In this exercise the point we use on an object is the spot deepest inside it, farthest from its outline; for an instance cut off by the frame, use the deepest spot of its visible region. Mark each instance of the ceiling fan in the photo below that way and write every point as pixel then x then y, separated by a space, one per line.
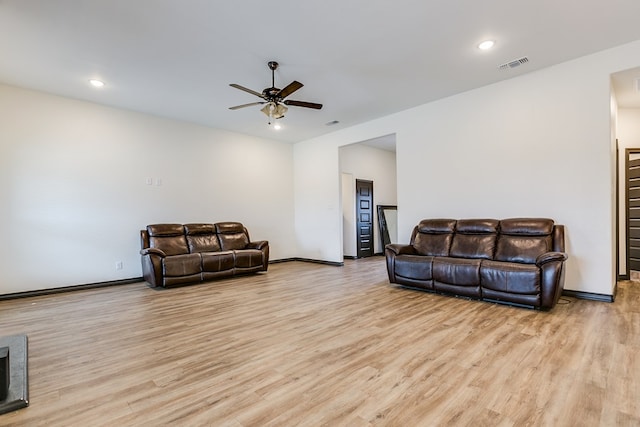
pixel 274 98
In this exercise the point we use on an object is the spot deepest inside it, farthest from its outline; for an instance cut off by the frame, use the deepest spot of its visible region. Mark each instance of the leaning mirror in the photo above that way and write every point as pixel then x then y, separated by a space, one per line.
pixel 388 223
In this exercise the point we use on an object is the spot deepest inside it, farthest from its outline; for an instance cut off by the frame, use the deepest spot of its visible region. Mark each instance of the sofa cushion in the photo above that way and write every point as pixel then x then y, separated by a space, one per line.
pixel 217 261
pixel 414 267
pixel 474 238
pixel 433 237
pixel 248 258
pixel 232 235
pixel 181 265
pixel 457 271
pixel 202 238
pixel 510 277
pixel 524 239
pixel 169 238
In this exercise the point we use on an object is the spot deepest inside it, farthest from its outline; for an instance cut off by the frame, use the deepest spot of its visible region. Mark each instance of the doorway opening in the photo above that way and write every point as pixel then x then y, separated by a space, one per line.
pixel 372 160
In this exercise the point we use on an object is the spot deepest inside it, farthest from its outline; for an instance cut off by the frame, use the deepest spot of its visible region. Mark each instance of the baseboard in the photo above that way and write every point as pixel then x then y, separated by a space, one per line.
pixel 314 261
pixel 355 257
pixel 51 291
pixel 588 296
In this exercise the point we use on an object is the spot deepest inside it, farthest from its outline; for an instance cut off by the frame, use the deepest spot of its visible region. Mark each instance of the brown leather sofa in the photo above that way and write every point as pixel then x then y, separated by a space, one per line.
pixel 518 261
pixel 176 254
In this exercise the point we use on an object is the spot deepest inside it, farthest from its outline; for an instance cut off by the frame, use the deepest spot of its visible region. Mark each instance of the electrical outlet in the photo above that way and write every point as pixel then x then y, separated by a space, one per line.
pixel 119 265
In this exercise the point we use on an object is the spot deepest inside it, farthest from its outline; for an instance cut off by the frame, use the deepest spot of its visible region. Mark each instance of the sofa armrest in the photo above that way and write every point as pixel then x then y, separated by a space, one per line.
pixel 154 251
pixel 551 266
pixel 258 244
pixel 152 260
pixel 400 249
pixel 550 257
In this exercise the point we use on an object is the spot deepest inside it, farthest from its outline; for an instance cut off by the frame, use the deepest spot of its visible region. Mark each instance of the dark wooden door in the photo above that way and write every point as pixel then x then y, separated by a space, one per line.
pixel 364 217
pixel 633 212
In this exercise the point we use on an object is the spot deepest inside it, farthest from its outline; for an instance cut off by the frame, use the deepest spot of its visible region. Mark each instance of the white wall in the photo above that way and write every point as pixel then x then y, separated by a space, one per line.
pixel 73 192
pixel 535 145
pixel 370 164
pixel 628 134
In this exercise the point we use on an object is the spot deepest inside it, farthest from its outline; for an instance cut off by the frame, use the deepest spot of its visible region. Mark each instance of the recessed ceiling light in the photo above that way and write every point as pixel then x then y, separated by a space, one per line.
pixel 277 126
pixel 96 83
pixel 486 45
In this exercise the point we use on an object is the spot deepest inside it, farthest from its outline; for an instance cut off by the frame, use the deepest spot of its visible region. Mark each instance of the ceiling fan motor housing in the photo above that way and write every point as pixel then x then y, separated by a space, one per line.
pixel 270 94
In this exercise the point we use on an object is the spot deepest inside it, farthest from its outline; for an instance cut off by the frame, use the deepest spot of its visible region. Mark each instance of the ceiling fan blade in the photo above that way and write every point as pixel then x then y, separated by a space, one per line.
pixel 247 105
pixel 253 92
pixel 289 89
pixel 303 104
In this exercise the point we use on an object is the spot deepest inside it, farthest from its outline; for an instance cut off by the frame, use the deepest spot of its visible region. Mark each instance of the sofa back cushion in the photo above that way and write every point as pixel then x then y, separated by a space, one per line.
pixel 524 239
pixel 433 236
pixel 232 235
pixel 474 238
pixel 202 238
pixel 169 238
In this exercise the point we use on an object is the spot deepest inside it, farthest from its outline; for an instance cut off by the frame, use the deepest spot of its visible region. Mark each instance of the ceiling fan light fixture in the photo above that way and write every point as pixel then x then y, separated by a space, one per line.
pixel 274 111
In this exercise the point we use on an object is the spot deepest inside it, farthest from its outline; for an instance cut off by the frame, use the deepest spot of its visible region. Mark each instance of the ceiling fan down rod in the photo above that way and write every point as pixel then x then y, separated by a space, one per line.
pixel 273 66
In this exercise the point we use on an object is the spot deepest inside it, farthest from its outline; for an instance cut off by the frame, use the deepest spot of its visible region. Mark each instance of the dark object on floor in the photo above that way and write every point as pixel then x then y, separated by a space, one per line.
pixel 17 393
pixel 176 254
pixel 518 260
pixel 4 372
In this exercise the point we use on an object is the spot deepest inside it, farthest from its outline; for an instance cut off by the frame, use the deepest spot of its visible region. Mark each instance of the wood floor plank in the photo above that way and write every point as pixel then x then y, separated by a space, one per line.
pixel 313 345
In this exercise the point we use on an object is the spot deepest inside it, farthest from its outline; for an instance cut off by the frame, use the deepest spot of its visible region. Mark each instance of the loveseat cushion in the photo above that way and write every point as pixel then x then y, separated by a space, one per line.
pixel 510 277
pixel 474 238
pixel 169 238
pixel 433 237
pixel 524 239
pixel 232 235
pixel 202 238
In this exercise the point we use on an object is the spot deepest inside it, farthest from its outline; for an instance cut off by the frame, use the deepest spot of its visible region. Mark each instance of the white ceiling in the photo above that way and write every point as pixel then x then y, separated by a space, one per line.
pixel 362 59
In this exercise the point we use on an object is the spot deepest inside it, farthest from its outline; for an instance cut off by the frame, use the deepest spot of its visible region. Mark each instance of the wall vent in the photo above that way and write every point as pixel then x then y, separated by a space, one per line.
pixel 513 64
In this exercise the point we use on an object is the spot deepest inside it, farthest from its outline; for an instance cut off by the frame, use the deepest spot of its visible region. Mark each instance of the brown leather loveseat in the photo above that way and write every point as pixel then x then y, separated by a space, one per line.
pixel 176 254
pixel 518 260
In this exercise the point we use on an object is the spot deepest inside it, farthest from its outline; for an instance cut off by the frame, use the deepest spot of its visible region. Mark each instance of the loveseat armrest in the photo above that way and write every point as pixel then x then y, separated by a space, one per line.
pixel 400 249
pixel 550 257
pixel 258 244
pixel 152 251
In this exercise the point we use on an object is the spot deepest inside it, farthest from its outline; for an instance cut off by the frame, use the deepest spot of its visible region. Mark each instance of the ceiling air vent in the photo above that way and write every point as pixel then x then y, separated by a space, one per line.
pixel 513 64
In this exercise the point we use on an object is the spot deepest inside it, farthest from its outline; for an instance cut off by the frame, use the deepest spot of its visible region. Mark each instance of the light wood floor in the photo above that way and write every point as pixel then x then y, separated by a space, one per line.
pixel 313 345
